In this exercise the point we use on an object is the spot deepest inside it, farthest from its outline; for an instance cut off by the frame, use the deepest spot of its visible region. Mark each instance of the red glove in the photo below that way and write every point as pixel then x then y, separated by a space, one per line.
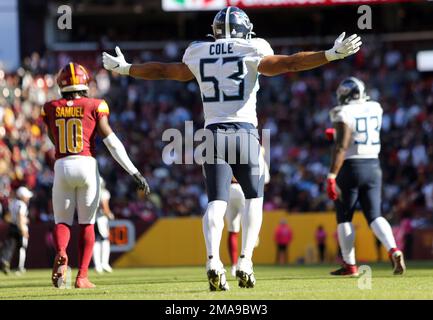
pixel 330 134
pixel 331 187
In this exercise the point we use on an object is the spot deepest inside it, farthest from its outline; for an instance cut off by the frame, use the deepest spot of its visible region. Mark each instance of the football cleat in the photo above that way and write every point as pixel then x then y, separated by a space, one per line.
pixel 83 283
pixel 217 280
pixel 99 270
pixel 398 264
pixel 107 268
pixel 5 267
pixel 245 273
pixel 60 267
pixel 246 280
pixel 350 270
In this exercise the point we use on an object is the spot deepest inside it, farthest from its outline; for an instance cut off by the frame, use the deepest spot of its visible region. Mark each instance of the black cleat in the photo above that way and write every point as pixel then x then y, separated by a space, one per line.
pixel 245 280
pixel 217 281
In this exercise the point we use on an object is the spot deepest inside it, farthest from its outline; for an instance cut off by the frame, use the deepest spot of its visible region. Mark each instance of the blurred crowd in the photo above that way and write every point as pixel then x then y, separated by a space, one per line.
pixel 294 107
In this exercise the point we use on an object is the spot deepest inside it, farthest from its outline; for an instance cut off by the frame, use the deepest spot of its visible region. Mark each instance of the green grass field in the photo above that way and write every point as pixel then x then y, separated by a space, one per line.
pixel 292 282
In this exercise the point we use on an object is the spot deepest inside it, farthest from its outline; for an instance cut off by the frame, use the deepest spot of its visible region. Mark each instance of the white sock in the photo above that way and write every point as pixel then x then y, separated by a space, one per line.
pixel 251 223
pixel 213 224
pixel 22 258
pixel 383 232
pixel 346 239
pixel 105 252
pixel 97 254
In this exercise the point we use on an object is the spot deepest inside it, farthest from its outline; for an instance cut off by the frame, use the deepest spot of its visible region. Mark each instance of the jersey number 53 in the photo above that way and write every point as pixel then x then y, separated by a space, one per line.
pixel 235 79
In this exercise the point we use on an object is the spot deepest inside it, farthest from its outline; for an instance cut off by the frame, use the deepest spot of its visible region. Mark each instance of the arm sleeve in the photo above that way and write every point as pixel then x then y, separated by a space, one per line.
pixel 119 154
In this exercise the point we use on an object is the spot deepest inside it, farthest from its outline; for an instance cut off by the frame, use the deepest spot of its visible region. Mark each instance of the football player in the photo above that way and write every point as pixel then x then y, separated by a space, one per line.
pixel 227 71
pixel 101 249
pixel 355 173
pixel 73 122
pixel 18 233
pixel 235 207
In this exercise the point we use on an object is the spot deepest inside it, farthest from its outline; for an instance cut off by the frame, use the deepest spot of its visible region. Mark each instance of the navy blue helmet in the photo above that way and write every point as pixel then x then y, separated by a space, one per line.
pixel 232 22
pixel 351 89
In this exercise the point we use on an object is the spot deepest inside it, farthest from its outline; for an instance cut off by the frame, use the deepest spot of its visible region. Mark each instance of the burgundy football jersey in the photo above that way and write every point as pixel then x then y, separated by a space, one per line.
pixel 72 123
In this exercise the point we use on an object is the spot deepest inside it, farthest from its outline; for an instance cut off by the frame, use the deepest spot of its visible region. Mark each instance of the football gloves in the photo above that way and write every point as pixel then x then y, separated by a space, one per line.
pixel 331 187
pixel 117 64
pixel 141 182
pixel 330 134
pixel 344 48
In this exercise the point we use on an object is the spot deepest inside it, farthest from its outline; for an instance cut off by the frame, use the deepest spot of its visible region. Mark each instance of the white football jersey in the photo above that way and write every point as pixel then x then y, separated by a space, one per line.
pixel 365 121
pixel 226 71
pixel 18 207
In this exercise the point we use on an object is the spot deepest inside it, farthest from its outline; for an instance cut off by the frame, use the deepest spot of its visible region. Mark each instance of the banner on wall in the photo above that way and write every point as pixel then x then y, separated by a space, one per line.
pixel 203 5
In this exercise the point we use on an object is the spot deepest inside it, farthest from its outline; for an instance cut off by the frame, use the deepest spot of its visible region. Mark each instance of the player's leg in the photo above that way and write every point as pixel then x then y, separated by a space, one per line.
pixel 9 247
pixel 97 250
pixel 88 197
pixel 370 200
pixel 104 232
pixel 64 202
pixel 233 218
pixel 250 175
pixel 217 178
pixel 22 255
pixel 106 247
pixel 345 208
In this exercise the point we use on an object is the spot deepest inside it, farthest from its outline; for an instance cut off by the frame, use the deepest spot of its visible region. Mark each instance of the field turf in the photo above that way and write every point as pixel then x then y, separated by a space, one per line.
pixel 291 282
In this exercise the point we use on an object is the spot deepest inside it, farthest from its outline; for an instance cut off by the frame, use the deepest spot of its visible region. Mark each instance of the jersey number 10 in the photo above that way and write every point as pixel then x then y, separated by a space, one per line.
pixel 237 77
pixel 70 135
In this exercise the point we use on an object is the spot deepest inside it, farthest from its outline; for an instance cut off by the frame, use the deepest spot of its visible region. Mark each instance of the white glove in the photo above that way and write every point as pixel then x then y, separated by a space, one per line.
pixel 344 48
pixel 116 64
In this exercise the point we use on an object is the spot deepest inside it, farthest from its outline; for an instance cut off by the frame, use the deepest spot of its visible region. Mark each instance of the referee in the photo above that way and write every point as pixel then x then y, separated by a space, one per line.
pixel 18 233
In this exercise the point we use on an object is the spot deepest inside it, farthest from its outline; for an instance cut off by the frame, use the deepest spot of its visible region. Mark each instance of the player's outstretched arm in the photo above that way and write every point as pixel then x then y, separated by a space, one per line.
pixel 277 64
pixel 149 70
pixel 117 150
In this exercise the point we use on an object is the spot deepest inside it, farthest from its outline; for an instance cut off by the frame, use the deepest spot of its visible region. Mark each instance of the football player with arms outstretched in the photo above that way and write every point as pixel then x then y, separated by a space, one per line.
pixel 227 71
pixel 73 122
pixel 355 173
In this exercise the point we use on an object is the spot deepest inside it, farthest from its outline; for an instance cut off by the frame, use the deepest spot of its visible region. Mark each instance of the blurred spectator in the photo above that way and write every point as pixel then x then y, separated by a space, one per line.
pixel 283 237
pixel 321 242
